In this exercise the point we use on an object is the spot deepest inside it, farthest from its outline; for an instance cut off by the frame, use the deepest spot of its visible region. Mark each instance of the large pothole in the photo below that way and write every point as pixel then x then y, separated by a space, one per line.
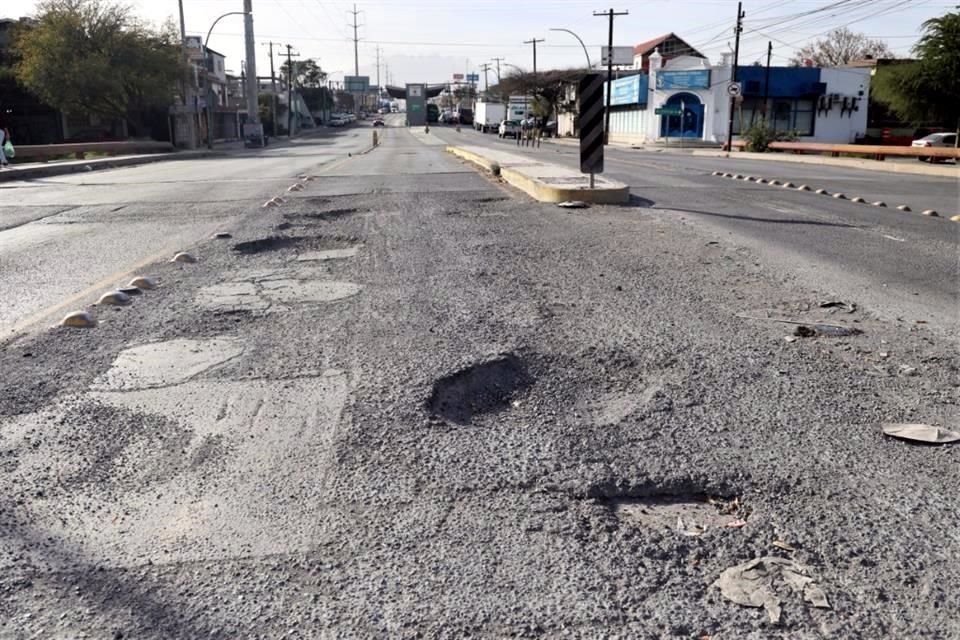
pixel 331 214
pixel 485 387
pixel 271 243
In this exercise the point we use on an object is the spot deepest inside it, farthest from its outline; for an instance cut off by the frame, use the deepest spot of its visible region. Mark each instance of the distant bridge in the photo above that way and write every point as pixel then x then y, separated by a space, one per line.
pixel 400 93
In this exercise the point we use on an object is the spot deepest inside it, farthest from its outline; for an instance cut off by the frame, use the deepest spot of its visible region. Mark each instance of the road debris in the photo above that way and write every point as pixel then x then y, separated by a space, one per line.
pixel 573 204
pixel 790 338
pixel 786 546
pixel 803 331
pixel 907 370
pixel 919 432
pixel 849 307
pixel 825 329
pixel 760 582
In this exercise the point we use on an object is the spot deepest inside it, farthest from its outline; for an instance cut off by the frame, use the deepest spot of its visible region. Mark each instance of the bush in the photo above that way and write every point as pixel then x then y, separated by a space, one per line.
pixel 759 136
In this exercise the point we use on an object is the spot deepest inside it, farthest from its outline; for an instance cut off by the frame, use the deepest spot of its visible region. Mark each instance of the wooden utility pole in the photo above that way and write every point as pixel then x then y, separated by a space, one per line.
pixel 733 72
pixel 290 76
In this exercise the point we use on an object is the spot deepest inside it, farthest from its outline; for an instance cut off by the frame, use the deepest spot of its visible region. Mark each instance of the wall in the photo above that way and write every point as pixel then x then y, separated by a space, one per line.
pixel 629 125
pixel 831 126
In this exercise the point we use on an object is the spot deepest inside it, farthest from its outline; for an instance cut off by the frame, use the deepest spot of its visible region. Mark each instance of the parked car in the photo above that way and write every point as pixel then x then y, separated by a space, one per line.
pixel 379 123
pixel 945 139
pixel 509 128
pixel 338 121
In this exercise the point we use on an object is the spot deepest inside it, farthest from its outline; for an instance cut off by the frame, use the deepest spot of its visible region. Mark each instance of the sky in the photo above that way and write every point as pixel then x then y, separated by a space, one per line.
pixel 429 40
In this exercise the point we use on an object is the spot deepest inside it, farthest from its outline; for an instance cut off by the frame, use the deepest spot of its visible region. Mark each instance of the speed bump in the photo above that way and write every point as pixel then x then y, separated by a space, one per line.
pixel 116 298
pixel 78 319
pixel 184 257
pixel 143 282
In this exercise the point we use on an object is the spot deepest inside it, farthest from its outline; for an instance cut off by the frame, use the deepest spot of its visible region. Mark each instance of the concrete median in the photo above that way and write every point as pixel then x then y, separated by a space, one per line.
pixel 543 181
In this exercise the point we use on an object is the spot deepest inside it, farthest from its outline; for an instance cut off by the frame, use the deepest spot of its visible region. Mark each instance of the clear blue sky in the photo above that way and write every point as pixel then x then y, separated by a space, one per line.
pixel 428 40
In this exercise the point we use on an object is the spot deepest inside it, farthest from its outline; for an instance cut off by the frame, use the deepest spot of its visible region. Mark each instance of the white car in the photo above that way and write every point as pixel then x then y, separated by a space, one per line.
pixel 509 128
pixel 946 140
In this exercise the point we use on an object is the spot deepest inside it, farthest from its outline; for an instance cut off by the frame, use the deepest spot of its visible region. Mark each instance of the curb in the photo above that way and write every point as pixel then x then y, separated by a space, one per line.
pixel 945 171
pixel 540 190
pixel 46 171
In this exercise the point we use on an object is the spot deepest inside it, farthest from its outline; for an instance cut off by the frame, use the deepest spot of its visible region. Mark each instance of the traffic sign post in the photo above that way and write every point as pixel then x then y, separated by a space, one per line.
pixel 667 111
pixel 591 124
pixel 734 90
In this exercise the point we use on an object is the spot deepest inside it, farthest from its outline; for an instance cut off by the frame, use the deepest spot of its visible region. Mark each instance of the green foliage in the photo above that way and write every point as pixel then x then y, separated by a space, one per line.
pixel 759 136
pixel 95 57
pixel 307 73
pixel 318 98
pixel 841 46
pixel 926 91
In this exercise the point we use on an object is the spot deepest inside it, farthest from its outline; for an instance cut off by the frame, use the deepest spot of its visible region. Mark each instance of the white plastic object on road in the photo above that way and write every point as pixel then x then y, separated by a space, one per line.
pixel 919 432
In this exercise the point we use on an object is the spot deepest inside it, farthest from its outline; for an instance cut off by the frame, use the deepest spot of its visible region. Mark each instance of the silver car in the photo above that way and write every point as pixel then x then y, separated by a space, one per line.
pixel 945 139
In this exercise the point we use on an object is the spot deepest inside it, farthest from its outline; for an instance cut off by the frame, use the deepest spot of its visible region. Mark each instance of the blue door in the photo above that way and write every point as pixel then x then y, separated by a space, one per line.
pixel 687 125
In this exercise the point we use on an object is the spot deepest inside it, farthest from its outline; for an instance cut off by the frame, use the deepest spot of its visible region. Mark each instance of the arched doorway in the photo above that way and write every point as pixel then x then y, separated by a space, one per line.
pixel 688 123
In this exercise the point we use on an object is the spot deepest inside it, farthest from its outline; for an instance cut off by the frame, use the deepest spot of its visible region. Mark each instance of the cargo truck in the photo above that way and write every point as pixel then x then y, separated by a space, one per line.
pixel 488 115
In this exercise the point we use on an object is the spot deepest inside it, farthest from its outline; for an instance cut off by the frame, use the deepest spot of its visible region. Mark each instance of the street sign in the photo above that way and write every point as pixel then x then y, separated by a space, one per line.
pixel 621 55
pixel 733 89
pixel 473 77
pixel 668 111
pixel 458 76
pixel 356 84
pixel 591 123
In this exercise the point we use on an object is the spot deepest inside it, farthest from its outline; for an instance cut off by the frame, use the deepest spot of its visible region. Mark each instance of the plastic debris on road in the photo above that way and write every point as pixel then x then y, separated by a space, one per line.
pixel 573 204
pixel 919 432
pixel 761 581
pixel 849 307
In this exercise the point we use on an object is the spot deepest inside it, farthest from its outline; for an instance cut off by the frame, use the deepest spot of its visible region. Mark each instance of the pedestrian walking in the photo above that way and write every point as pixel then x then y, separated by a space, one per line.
pixel 4 139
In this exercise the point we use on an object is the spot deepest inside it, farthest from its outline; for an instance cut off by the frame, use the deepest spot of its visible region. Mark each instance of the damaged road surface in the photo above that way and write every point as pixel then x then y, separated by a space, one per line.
pixel 408 402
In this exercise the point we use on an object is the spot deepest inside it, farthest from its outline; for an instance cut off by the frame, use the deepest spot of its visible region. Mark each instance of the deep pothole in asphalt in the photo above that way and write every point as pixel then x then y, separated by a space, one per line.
pixel 277 243
pixel 484 387
pixel 332 214
pixel 688 514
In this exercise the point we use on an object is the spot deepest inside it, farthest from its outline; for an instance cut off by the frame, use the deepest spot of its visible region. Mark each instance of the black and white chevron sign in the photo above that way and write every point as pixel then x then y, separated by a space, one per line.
pixel 591 123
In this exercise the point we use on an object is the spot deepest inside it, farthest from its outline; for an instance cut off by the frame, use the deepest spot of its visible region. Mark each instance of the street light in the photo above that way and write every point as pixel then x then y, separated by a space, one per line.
pixel 589 64
pixel 208 64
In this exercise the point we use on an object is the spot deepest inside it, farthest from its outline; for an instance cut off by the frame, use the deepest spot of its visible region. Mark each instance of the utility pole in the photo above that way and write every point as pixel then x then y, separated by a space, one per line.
pixel 356 55
pixel 251 51
pixel 290 76
pixel 187 84
pixel 378 75
pixel 273 90
pixel 733 73
pixel 485 67
pixel 499 82
pixel 609 14
pixel 766 81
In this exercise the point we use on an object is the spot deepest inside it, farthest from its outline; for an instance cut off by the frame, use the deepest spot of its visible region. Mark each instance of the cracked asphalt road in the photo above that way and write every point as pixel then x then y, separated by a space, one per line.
pixel 476 438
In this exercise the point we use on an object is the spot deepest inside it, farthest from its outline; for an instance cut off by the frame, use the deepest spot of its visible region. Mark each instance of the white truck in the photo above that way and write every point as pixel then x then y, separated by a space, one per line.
pixel 519 107
pixel 488 115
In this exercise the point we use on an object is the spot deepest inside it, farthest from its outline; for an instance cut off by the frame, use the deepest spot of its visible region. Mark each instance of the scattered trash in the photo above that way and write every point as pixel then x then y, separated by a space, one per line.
pixel 736 524
pixel 802 328
pixel 919 432
pixel 884 354
pixel 803 331
pixel 755 584
pixel 906 370
pixel 839 304
pixel 78 319
pixel 184 257
pixel 780 544
pixel 573 204
pixel 790 338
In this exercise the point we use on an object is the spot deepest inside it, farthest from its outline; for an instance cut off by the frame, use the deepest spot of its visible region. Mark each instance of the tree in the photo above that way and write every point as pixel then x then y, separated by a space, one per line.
pixel 94 57
pixel 841 46
pixel 927 90
pixel 547 88
pixel 307 73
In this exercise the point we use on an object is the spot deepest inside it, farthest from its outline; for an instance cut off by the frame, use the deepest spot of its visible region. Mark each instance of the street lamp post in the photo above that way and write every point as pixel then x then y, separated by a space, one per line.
pixel 587 55
pixel 208 65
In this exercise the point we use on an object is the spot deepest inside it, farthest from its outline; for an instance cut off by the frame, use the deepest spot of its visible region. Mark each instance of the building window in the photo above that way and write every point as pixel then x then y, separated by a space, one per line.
pixel 784 114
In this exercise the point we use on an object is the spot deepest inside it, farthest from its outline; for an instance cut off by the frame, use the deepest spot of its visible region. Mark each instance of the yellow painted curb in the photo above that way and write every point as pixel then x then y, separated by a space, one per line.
pixel 542 191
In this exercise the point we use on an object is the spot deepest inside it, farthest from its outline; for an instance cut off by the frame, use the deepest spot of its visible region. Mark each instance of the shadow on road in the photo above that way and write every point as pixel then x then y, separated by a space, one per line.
pixel 816 223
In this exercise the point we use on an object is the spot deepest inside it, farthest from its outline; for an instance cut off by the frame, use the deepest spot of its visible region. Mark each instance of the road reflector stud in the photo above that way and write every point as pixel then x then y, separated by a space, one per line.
pixel 774 183
pixel 144 283
pixel 295 187
pixel 931 213
pixel 761 180
pixel 717 173
pixel 803 187
pixel 823 192
pixel 272 202
pixel 880 203
pixel 788 185
pixel 184 257
pixel 839 196
pixel 858 200
pixel 751 178
pixel 130 291
pixel 904 207
pixel 955 219
pixel 117 298
pixel 78 319
pixel 738 177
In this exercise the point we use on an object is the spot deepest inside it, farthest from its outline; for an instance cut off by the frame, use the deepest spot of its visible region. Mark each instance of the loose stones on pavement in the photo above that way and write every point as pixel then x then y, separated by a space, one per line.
pixel 184 257
pixel 117 298
pixel 78 319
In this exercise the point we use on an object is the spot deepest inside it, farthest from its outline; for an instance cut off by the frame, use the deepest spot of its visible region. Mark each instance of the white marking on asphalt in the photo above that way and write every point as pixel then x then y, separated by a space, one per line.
pixel 894 238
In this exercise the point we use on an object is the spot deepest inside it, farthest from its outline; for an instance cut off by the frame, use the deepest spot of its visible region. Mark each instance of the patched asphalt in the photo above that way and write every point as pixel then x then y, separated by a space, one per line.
pixel 491 436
